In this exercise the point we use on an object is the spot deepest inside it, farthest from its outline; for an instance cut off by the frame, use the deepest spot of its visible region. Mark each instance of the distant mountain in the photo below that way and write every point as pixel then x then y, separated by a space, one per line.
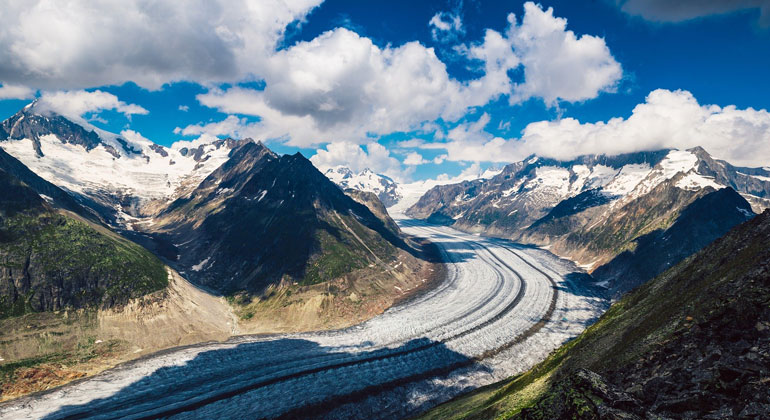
pixel 594 208
pixel 385 188
pixel 52 258
pixel 691 343
pixel 121 177
pixel 262 219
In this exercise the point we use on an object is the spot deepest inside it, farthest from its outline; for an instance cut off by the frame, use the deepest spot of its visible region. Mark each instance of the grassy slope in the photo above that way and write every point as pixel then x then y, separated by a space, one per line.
pixel 660 310
pixel 66 247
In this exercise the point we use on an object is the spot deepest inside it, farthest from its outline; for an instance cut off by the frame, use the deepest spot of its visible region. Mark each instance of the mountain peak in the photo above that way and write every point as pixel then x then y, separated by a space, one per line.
pixel 382 186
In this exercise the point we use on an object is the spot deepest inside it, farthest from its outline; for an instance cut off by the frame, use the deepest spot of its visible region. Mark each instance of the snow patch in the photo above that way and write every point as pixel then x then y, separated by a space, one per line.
pixel 745 212
pixel 200 265
pixel 694 182
pixel 627 179
pixel 678 161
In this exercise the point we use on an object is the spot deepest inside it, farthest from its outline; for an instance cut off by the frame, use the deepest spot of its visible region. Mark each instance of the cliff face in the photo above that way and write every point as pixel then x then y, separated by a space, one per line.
pixel 52 259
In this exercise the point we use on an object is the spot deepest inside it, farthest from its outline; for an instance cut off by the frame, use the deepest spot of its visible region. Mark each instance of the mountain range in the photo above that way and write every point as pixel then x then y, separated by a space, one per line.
pixel 231 215
pixel 610 214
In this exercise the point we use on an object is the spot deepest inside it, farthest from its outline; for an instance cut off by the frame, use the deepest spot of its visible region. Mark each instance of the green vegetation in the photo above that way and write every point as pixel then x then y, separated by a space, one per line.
pixel 721 284
pixel 96 267
pixel 336 259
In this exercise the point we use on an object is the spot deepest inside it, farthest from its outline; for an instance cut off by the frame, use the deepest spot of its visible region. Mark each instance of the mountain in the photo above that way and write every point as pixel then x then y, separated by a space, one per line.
pixel 231 215
pixel 262 219
pixel 53 258
pixel 120 176
pixel 606 210
pixel 691 343
pixel 385 188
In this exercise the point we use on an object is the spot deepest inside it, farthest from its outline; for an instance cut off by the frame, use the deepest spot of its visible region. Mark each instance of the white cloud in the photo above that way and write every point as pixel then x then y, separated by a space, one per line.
pixel 410 143
pixel 414 158
pixel 75 104
pixel 184 108
pixel 135 137
pixel 446 26
pixel 667 119
pixel 356 157
pixel 76 44
pixel 16 92
pixel 559 65
pixel 340 86
pixel 231 126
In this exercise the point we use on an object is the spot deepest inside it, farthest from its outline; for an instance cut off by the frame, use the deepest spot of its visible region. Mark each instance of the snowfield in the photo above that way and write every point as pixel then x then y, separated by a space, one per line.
pixel 502 308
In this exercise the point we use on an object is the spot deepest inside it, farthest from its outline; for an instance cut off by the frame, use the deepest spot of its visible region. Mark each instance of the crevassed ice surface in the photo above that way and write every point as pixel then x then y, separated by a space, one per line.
pixel 496 314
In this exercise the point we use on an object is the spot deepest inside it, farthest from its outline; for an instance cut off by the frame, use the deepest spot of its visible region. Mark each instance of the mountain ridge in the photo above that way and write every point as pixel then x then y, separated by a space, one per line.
pixel 384 187
pixel 593 208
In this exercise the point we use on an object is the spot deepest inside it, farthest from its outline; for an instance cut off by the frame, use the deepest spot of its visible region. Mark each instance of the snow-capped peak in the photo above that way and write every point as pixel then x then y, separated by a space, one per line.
pixel 114 169
pixel 367 180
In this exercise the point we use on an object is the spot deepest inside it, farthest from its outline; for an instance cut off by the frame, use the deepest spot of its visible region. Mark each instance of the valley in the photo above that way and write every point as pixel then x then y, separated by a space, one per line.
pixel 501 308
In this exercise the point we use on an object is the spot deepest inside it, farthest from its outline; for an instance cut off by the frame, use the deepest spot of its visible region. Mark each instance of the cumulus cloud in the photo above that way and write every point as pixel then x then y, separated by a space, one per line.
pixel 559 65
pixel 357 157
pixel 340 86
pixel 446 26
pixel 16 92
pixel 77 44
pixel 683 10
pixel 75 104
pixel 667 119
pixel 231 126
pixel 414 158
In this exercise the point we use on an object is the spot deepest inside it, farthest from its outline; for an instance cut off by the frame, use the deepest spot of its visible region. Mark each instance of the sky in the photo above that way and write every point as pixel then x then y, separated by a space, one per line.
pixel 413 89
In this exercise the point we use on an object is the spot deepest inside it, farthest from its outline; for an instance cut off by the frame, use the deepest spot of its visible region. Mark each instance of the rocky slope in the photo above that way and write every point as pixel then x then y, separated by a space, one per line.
pixel 51 258
pixel 262 219
pixel 597 210
pixel 385 188
pixel 692 343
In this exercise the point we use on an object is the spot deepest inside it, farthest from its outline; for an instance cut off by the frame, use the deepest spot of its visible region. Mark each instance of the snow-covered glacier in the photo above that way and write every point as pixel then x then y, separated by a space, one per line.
pixel 502 308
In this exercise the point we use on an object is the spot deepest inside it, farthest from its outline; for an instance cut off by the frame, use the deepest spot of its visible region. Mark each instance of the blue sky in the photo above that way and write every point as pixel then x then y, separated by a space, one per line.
pixel 334 80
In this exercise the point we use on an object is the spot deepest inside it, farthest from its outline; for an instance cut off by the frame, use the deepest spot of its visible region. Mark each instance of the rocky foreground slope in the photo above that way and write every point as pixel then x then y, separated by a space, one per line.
pixel 614 215
pixel 692 343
